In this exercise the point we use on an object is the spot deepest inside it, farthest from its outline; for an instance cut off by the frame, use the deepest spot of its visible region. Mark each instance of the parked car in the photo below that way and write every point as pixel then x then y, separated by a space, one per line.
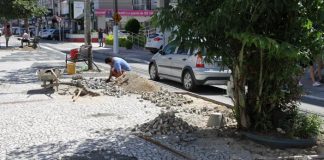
pixel 17 30
pixel 174 62
pixel 0 32
pixel 154 42
pixel 41 32
pixel 48 34
pixel 63 34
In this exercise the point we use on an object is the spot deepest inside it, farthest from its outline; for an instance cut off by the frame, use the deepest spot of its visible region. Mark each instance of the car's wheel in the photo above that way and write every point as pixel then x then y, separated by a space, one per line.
pixel 153 72
pixel 154 51
pixel 188 81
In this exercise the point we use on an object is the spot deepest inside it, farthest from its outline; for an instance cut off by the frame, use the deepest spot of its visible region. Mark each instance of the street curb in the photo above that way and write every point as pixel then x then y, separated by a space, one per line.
pixel 313 98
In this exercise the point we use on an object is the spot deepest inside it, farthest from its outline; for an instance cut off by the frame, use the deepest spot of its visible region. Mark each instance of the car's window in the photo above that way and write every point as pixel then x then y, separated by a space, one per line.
pixel 153 35
pixel 182 50
pixel 169 49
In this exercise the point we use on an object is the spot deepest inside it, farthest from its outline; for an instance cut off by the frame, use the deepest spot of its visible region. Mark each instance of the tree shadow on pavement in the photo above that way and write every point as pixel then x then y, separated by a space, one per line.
pixel 28 75
pixel 37 55
pixel 108 145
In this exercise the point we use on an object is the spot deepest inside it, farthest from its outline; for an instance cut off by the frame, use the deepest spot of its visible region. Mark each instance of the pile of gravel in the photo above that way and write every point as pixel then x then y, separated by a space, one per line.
pixel 165 124
pixel 100 84
pixel 164 98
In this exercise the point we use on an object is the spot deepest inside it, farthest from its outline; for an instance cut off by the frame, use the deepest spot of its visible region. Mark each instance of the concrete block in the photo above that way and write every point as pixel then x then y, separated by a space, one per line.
pixel 215 120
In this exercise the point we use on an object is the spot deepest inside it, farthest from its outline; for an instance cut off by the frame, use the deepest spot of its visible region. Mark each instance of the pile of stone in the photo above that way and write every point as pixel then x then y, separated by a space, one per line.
pixel 164 98
pixel 100 84
pixel 94 83
pixel 165 124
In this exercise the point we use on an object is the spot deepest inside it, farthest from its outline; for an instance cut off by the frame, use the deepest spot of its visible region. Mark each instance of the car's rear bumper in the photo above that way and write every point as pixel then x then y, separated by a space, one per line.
pixel 211 77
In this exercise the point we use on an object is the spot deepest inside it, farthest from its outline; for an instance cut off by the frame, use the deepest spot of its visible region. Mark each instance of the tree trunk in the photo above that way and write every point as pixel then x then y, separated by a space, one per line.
pixel 87 32
pixel 240 101
pixel 26 25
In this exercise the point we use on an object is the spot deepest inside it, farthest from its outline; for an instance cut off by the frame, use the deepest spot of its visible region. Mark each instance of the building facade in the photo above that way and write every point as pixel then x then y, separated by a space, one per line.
pixel 71 12
pixel 142 10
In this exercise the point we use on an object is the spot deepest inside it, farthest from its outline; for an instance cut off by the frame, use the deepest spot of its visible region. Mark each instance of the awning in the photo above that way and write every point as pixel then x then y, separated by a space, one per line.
pixel 101 12
pixel 125 12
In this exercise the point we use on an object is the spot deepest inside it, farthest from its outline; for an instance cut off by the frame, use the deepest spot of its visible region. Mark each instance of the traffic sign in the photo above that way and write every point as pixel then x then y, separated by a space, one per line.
pixel 117 17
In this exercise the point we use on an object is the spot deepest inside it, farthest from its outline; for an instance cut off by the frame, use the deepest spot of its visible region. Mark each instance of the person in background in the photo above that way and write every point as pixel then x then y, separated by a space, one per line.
pixel 25 38
pixel 31 33
pixel 7 33
pixel 100 37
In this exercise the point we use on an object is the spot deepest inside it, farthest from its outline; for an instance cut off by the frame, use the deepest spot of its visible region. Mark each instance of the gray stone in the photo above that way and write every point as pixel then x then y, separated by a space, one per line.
pixel 215 120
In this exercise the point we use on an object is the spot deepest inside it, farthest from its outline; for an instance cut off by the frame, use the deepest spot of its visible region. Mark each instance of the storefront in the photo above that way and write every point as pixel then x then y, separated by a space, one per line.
pixel 104 17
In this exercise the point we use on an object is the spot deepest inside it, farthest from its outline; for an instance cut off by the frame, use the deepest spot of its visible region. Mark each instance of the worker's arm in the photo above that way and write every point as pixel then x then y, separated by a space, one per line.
pixel 110 74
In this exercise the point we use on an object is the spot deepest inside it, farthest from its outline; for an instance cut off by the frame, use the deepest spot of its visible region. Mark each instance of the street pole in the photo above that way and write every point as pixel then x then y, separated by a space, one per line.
pixel 115 47
pixel 59 22
pixel 87 31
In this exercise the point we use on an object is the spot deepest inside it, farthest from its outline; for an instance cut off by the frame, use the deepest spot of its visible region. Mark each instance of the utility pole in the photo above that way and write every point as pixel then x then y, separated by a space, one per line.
pixel 87 32
pixel 59 22
pixel 116 46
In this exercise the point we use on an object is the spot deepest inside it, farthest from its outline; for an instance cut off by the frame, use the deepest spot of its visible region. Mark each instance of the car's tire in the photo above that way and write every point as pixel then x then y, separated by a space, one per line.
pixel 153 51
pixel 153 72
pixel 188 81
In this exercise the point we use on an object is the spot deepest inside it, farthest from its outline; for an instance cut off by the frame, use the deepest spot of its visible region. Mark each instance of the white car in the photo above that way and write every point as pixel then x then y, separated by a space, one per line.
pixel 154 42
pixel 48 34
pixel 182 65
pixel 41 32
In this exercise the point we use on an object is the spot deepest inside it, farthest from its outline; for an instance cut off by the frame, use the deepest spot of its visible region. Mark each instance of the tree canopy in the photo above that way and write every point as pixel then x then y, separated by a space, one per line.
pixel 261 42
pixel 132 25
pixel 12 9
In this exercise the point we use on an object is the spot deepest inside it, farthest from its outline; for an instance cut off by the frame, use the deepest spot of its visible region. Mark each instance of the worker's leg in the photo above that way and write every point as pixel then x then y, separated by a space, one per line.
pixel 117 74
pixel 7 41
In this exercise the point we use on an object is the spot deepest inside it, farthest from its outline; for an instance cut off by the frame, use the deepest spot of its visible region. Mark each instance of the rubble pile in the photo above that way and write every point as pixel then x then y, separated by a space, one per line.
pixel 165 124
pixel 106 88
pixel 164 98
pixel 134 83
pixel 130 83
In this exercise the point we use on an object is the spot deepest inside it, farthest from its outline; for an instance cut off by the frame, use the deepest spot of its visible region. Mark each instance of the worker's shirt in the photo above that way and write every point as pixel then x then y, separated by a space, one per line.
pixel 120 65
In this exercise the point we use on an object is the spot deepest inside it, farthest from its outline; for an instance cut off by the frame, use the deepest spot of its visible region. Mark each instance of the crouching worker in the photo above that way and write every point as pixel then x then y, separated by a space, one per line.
pixel 118 67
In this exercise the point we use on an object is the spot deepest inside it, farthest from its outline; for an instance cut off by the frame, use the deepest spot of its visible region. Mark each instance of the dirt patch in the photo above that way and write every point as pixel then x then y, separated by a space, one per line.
pixel 134 83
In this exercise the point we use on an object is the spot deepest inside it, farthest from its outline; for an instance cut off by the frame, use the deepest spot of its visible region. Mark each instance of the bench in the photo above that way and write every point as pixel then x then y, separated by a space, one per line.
pixel 82 56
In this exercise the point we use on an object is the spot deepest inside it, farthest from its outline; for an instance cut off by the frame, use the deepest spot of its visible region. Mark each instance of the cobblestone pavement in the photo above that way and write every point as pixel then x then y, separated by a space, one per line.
pixel 40 124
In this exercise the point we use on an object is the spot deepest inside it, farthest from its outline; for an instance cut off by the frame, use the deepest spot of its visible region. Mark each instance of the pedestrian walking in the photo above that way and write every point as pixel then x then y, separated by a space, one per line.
pixel 7 33
pixel 100 37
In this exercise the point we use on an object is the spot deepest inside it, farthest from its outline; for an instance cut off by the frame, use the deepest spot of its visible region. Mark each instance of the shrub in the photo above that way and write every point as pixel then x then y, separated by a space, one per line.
pixel 129 44
pixel 122 42
pixel 306 126
pixel 110 39
pixel 133 26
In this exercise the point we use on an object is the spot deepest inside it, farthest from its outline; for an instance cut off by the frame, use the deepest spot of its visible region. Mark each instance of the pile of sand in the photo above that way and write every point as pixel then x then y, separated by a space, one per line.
pixel 133 83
